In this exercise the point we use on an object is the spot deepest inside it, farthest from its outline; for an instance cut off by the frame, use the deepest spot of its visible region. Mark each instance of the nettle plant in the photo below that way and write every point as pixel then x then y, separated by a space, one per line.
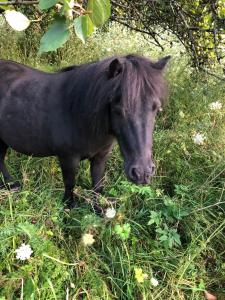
pixel 164 221
pixel 66 16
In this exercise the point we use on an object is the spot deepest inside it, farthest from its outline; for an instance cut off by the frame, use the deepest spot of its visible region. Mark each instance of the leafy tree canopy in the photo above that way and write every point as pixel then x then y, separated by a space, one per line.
pixel 198 24
pixel 64 15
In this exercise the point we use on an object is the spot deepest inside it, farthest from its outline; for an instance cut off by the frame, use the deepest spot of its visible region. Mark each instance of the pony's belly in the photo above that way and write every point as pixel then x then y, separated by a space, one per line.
pixel 28 145
pixel 32 152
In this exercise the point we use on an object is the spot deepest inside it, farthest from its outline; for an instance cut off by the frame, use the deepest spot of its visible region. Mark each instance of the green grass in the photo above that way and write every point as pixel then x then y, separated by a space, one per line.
pixel 177 223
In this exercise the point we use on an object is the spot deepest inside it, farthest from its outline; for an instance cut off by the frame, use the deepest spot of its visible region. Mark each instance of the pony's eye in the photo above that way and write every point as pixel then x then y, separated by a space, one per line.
pixel 118 112
pixel 117 100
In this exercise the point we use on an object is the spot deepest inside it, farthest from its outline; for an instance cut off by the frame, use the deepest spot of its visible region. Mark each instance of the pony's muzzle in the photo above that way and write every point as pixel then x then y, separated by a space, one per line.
pixel 141 175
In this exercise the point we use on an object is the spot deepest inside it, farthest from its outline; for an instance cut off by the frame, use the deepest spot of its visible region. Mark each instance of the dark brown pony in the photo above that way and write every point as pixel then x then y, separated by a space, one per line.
pixel 79 112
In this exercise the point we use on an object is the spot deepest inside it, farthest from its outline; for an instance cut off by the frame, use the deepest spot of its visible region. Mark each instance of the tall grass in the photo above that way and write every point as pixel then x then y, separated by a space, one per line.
pixel 177 223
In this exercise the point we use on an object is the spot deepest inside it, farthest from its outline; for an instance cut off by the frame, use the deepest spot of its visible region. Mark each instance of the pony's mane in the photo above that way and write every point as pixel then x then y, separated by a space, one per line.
pixel 139 80
pixel 69 68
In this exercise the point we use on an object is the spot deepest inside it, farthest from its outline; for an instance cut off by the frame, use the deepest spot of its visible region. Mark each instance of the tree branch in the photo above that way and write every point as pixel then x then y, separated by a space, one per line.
pixel 19 2
pixel 212 74
pixel 152 34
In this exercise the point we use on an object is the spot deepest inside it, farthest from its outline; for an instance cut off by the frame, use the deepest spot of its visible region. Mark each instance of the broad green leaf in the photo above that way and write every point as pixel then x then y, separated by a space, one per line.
pixel 4 7
pixel 83 27
pixel 123 230
pixel 17 20
pixel 55 37
pixel 45 4
pixel 100 11
pixel 28 229
pixel 163 238
pixel 29 289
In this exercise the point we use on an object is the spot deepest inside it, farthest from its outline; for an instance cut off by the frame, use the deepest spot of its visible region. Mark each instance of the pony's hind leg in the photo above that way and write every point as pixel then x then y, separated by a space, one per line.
pixel 8 180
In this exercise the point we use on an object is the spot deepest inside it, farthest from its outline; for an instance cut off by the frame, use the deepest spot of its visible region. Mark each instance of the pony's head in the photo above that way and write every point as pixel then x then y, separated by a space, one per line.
pixel 137 95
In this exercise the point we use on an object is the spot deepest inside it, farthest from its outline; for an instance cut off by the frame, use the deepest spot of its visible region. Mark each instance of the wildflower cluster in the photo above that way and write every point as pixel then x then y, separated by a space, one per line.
pixel 140 277
pixel 23 252
pixel 215 105
pixel 198 137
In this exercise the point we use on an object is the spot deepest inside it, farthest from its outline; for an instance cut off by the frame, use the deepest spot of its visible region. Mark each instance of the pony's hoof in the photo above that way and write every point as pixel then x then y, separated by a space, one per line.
pixel 14 186
pixel 98 210
pixel 11 186
pixel 70 204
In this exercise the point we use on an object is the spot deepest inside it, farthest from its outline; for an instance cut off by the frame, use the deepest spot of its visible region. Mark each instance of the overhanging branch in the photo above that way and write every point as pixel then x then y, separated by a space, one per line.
pixel 152 34
pixel 19 2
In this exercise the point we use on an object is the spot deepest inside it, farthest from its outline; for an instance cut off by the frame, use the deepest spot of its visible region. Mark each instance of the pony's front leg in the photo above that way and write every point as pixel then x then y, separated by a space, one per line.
pixel 69 166
pixel 8 183
pixel 97 172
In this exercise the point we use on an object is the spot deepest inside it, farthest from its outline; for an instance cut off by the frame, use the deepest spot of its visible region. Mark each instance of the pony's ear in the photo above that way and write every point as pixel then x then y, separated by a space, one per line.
pixel 160 64
pixel 115 68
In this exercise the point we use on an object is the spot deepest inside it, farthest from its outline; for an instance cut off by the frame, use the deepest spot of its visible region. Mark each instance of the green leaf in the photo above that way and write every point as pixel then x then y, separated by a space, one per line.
pixel 29 289
pixel 100 11
pixel 163 238
pixel 27 228
pixel 123 230
pixel 201 285
pixel 55 37
pixel 45 4
pixel 4 7
pixel 83 27
pixel 176 238
pixel 155 218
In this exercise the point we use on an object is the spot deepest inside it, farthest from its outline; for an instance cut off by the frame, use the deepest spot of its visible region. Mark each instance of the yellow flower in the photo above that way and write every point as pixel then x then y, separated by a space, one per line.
pixel 158 192
pixel 139 275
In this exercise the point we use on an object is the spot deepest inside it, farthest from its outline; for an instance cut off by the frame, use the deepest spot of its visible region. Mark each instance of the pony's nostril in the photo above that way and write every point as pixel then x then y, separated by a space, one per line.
pixel 153 168
pixel 135 173
pixel 147 177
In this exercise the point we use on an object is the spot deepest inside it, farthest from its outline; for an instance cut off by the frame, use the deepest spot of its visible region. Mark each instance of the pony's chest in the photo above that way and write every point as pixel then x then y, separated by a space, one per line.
pixel 88 147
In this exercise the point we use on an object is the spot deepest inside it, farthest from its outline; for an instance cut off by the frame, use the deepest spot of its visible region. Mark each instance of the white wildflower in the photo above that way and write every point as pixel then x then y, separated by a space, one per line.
pixel 58 7
pixel 88 239
pixel 215 105
pixel 199 138
pixel 72 285
pixel 23 252
pixel 110 213
pixel 71 3
pixel 181 114
pixel 154 281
